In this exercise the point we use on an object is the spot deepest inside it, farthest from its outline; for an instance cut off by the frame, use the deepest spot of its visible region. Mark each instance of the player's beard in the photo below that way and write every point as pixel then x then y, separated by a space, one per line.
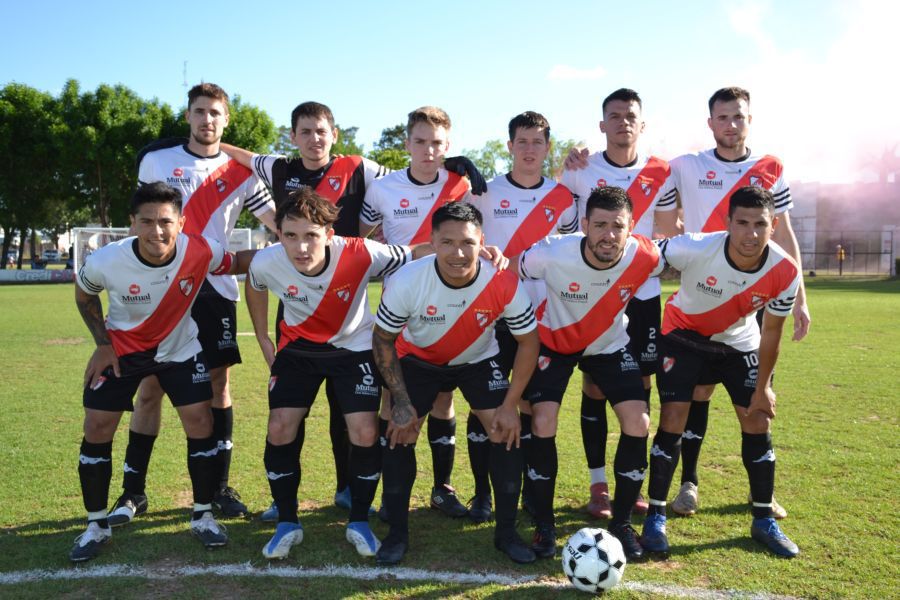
pixel 204 142
pixel 604 258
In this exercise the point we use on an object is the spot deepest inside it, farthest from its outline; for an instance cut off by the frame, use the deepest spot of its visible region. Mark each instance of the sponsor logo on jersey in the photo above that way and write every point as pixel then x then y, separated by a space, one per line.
pixel 292 295
pixel 431 317
pixel 710 183
pixel 334 183
pixel 601 182
pixel 134 289
pixel 364 389
pixel 405 211
pixel 738 284
pixel 667 363
pixel 549 213
pixel 709 288
pixel 343 293
pixel 164 280
pixel 186 285
pixel 404 203
pixel 602 283
pixel 272 381
pixel 292 290
pixel 710 174
pixel 574 287
pixel 572 295
pixel 505 212
pixel 482 317
pixel 221 185
pixel 431 310
pixel 543 362
pixel 293 184
pixel 460 304
pixel 504 203
pixel 178 172
pixel 136 297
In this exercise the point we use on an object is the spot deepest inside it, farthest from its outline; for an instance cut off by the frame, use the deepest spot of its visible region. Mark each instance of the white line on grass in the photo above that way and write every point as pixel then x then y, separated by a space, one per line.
pixel 364 573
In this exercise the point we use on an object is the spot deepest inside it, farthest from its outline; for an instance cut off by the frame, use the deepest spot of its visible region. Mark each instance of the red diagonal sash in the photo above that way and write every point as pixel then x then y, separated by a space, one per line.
pixel 328 318
pixel 540 220
pixel 214 190
pixel 763 174
pixel 577 336
pixel 175 302
pixel 454 189
pixel 740 305
pixel 336 179
pixel 470 325
pixel 646 184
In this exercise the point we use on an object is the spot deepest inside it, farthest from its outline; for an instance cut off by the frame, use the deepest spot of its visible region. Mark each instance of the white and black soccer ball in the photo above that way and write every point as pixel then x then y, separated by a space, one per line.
pixel 593 560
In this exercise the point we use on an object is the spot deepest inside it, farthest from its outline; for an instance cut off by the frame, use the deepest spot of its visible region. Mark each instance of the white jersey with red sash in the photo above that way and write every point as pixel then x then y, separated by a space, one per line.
pixel 150 306
pixel 330 309
pixel 584 308
pixel 705 182
pixel 446 325
pixel 404 207
pixel 717 300
pixel 647 181
pixel 214 191
pixel 516 217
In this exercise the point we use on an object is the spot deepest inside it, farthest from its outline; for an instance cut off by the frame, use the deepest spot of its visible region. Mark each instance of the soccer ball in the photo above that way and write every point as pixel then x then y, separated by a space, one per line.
pixel 593 560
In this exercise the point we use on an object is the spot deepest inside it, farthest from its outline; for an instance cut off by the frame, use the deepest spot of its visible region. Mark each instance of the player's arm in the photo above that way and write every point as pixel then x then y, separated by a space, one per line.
pixel 763 398
pixel 365 230
pixel 258 307
pixel 91 310
pixel 403 414
pixel 462 165
pixel 577 159
pixel 666 223
pixel 268 219
pixel 784 236
pixel 243 157
pixel 506 419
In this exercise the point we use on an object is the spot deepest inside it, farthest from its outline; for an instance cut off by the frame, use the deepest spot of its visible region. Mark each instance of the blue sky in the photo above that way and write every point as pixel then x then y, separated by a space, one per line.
pixel 804 62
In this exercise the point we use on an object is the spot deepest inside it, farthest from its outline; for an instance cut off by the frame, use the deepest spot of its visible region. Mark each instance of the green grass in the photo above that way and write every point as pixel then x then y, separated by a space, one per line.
pixel 836 436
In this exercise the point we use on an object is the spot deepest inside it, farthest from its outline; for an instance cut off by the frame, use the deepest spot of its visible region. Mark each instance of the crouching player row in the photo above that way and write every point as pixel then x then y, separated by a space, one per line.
pixel 152 279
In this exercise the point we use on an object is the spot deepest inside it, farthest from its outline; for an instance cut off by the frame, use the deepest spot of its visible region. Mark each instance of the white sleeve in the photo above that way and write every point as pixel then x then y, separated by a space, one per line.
pixel 533 261
pixel 91 276
pixel 387 258
pixel 568 221
pixel 667 195
pixel 519 313
pixel 257 198
pixel 146 172
pixel 256 274
pixel 782 194
pixel 370 213
pixel 678 251
pixel 263 165
pixel 221 260
pixel 783 303
pixel 394 311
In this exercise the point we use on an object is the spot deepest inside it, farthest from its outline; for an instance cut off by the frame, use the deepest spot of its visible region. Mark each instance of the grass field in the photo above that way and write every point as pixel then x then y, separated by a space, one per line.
pixel 836 436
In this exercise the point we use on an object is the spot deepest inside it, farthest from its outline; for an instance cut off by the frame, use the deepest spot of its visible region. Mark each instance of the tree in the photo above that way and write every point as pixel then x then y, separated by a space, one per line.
pixel 346 143
pixel 390 149
pixel 556 158
pixel 492 160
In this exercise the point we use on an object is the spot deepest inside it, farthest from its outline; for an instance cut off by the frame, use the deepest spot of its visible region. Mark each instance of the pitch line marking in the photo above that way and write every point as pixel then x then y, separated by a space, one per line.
pixel 362 573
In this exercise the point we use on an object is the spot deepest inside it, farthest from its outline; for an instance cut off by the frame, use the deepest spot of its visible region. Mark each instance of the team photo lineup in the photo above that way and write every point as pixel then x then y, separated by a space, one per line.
pixel 492 292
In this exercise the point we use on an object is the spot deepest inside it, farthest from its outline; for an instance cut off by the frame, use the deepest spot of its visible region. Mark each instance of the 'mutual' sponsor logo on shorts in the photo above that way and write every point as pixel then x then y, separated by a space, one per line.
pixel 431 316
pixel 709 287
pixel 200 374
pixel 367 389
pixel 498 381
pixel 292 295
pixel 710 183
pixel 628 363
pixel 572 294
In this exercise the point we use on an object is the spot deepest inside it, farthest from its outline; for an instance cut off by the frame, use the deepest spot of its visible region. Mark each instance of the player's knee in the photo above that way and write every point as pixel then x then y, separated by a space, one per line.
pixel 281 430
pixel 755 422
pixel 702 393
pixel 218 377
pixel 443 406
pixel 673 416
pixel 635 423
pixel 591 389
pixel 196 420
pixel 99 429
pixel 543 424
pixel 363 434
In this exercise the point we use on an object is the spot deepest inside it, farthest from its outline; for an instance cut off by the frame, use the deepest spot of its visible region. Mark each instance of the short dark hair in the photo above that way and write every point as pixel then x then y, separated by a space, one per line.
pixel 306 203
pixel 728 94
pixel 153 193
pixel 608 198
pixel 751 196
pixel 456 211
pixel 529 120
pixel 311 109
pixel 623 94
pixel 207 90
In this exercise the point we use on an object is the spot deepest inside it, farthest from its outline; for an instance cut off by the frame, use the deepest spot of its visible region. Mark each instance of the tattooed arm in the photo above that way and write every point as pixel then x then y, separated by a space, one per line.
pixel 403 414
pixel 104 356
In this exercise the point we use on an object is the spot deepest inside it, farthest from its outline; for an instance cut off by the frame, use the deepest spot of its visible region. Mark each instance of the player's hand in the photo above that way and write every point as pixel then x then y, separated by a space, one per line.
pixel 268 350
pixel 104 357
pixel 763 402
pixel 506 423
pixel 464 166
pixel 403 420
pixel 802 320
pixel 495 255
pixel 577 159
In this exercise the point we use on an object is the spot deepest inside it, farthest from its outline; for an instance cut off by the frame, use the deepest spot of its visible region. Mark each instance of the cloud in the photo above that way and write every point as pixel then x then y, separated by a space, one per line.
pixel 568 72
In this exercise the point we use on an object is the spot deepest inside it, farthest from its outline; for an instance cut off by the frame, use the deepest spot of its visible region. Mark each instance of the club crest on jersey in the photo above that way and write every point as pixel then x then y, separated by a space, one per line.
pixel 625 293
pixel 543 362
pixel 186 285
pixel 550 213
pixel 756 181
pixel 667 363
pixel 272 381
pixel 646 185
pixel 482 317
pixel 757 300
pixel 221 184
pixel 334 183
pixel 343 293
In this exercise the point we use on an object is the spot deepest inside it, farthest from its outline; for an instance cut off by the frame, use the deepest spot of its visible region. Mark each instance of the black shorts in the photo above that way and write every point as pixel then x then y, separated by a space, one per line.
pixel 184 382
pixel 216 319
pixel 296 378
pixel 643 329
pixel 617 375
pixel 682 367
pixel 483 384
